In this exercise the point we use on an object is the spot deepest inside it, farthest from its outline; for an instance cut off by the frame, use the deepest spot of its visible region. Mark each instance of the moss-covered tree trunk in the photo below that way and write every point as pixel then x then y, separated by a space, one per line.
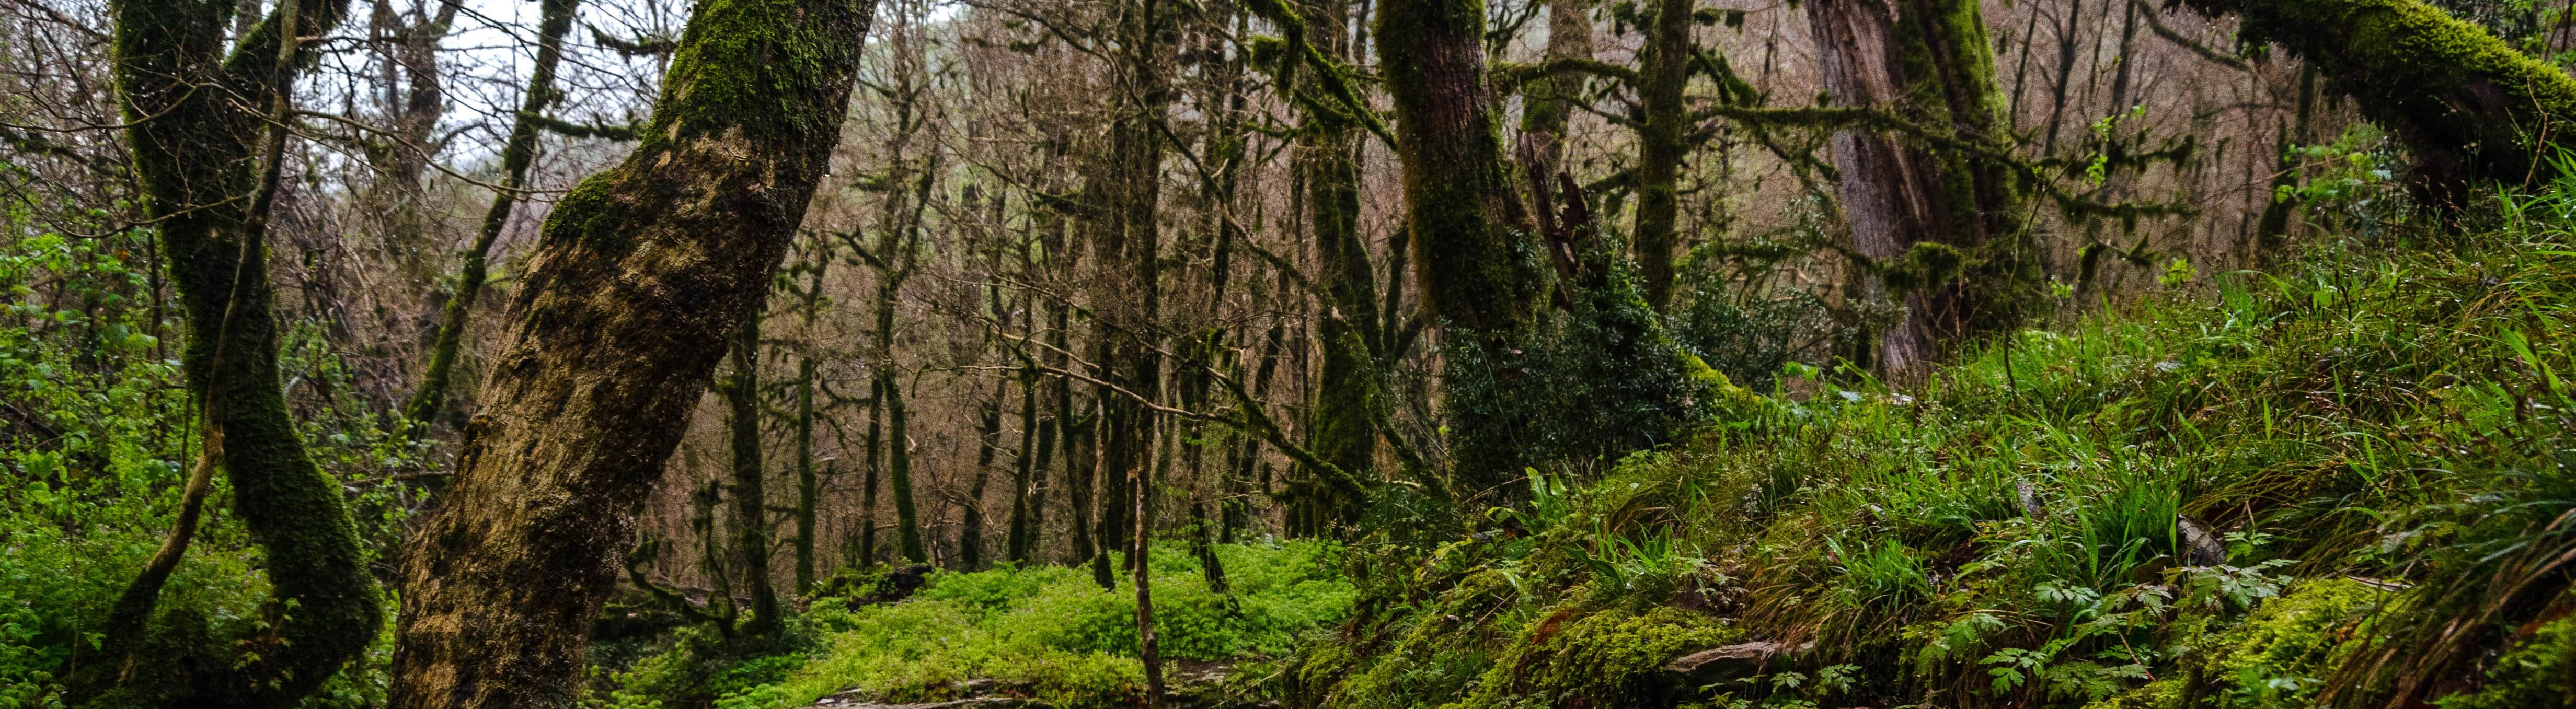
pixel 517 154
pixel 2468 106
pixel 1660 149
pixel 907 514
pixel 1478 274
pixel 895 262
pixel 1948 224
pixel 198 125
pixel 1344 432
pixel 750 476
pixel 809 487
pixel 970 520
pixel 866 553
pixel 638 273
pixel 1547 103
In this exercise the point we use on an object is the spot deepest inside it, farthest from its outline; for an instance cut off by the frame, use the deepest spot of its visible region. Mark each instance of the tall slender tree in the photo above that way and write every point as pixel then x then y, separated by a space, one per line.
pixel 518 153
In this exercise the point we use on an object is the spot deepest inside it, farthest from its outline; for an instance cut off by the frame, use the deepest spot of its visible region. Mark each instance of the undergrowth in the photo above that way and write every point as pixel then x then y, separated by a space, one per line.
pixel 1047 633
pixel 2342 481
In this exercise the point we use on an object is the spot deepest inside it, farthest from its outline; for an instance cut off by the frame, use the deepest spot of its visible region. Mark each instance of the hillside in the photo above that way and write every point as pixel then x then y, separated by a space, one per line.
pixel 2341 481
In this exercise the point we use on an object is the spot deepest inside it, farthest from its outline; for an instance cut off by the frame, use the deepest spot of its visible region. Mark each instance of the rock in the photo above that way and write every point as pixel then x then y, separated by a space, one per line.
pixel 1735 661
pixel 2200 546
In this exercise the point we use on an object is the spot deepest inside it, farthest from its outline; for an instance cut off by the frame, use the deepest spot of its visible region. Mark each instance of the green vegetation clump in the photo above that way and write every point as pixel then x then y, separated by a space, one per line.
pixel 1046 633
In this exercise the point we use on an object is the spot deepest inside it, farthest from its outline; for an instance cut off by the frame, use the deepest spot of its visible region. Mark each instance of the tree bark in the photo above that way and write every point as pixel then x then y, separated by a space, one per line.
pixel 1547 103
pixel 1660 149
pixel 1345 393
pixel 636 272
pixel 1470 250
pixel 750 476
pixel 1927 60
pixel 1467 253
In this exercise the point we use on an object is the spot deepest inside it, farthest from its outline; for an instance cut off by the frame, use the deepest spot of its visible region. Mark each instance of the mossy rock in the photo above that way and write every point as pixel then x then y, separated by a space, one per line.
pixel 1613 658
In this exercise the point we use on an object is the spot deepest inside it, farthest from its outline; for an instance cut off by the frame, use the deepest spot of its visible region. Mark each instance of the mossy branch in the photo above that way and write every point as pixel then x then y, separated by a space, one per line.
pixel 1334 76
pixel 603 131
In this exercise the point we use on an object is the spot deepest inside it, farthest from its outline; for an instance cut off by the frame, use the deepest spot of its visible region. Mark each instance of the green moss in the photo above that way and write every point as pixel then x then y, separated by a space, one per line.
pixel 2283 651
pixel 2465 102
pixel 740 73
pixel 1609 659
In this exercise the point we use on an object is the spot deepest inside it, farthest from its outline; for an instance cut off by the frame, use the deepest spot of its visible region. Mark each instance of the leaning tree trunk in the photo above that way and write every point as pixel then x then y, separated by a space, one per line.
pixel 2468 106
pixel 639 272
pixel 1950 223
pixel 197 126
pixel 1469 253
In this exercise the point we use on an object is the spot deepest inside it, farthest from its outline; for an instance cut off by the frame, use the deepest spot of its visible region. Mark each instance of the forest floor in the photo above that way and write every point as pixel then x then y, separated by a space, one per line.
pixel 2343 480
pixel 1035 636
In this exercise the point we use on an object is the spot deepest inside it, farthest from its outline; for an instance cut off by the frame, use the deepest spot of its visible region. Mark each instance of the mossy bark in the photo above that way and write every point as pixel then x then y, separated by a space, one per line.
pixel 2468 106
pixel 750 476
pixel 517 154
pixel 866 553
pixel 1345 392
pixel 1660 149
pixel 1944 230
pixel 907 514
pixel 1478 271
pixel 1547 103
pixel 196 129
pixel 636 273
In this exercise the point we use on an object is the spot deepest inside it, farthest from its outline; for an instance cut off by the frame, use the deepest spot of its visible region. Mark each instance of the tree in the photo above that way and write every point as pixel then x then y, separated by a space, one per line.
pixel 207 133
pixel 517 154
pixel 741 393
pixel 1469 251
pixel 636 274
pixel 2468 106
pixel 1942 227
pixel 1660 147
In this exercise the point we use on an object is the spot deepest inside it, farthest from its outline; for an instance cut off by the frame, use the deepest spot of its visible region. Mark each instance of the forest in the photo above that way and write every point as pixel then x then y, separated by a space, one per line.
pixel 1202 354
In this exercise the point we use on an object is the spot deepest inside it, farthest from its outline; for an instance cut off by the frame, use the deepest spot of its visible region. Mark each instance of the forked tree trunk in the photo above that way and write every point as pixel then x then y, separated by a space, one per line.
pixel 637 274
pixel 207 163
